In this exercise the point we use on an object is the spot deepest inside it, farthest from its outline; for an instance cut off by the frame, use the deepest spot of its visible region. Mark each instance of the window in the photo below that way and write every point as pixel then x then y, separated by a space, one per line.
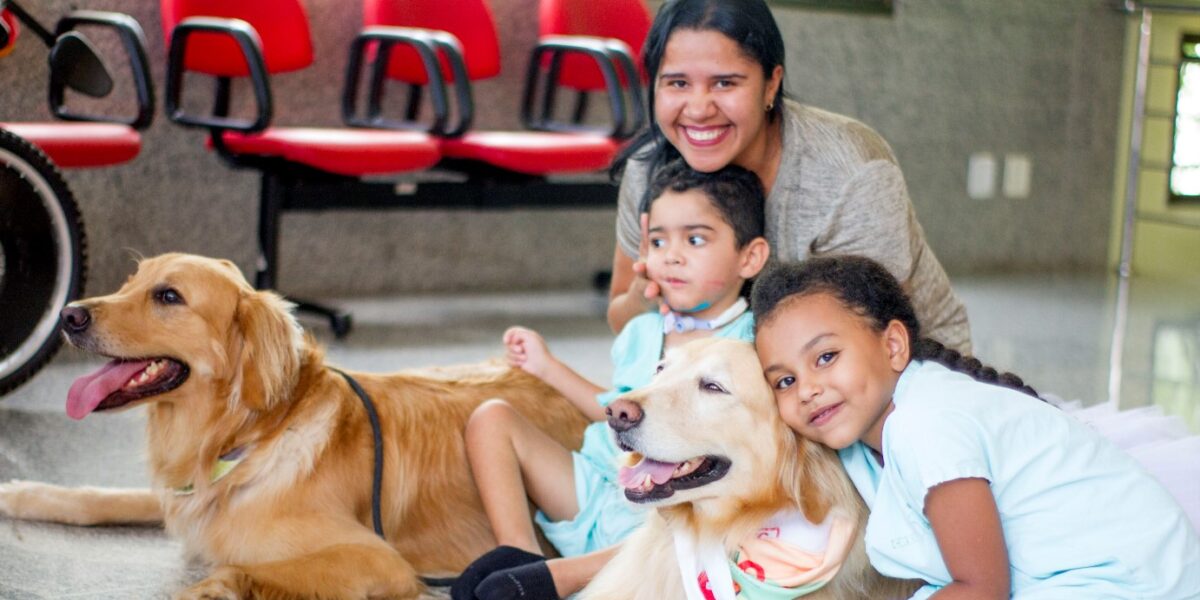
pixel 1175 370
pixel 862 6
pixel 1185 156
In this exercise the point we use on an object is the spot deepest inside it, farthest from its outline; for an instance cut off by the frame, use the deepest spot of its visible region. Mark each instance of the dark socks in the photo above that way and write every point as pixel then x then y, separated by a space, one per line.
pixel 497 559
pixel 527 582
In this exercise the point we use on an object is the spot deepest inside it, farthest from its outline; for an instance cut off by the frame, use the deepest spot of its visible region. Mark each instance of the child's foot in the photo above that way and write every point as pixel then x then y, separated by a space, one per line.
pixel 530 581
pixel 497 559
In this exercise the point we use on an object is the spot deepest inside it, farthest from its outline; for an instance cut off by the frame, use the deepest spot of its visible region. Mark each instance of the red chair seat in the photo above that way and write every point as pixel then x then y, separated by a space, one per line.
pixel 534 153
pixel 74 145
pixel 344 151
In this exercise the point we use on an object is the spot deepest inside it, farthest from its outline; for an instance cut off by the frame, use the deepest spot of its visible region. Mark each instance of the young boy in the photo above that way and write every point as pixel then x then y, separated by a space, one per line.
pixel 703 242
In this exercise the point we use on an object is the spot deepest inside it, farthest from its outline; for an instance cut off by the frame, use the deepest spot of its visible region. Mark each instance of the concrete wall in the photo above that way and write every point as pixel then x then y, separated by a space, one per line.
pixel 940 79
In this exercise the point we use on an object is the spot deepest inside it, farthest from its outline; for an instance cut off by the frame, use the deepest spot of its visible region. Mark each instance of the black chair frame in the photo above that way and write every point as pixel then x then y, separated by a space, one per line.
pixel 538 101
pixel 133 41
pixel 429 44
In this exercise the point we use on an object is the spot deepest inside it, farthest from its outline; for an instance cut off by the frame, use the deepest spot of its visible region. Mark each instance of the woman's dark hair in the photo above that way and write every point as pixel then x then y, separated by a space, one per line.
pixel 867 288
pixel 747 22
pixel 736 193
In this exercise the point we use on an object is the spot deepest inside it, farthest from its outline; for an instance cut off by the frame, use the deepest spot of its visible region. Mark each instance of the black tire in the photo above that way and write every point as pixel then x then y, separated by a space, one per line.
pixel 43 258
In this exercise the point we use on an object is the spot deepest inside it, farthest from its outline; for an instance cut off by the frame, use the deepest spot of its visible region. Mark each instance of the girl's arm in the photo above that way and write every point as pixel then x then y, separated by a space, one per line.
pixel 966 523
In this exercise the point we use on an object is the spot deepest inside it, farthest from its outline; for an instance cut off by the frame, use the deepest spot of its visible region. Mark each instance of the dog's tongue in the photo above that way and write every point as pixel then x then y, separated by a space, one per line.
pixel 660 473
pixel 88 391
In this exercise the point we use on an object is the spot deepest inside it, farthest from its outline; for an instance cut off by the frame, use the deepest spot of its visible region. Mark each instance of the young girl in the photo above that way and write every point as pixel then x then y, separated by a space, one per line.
pixel 975 485
pixel 704 242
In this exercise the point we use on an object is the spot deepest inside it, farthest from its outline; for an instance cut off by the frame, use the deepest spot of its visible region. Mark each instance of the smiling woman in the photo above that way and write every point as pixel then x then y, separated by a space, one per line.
pixel 709 103
pixel 833 184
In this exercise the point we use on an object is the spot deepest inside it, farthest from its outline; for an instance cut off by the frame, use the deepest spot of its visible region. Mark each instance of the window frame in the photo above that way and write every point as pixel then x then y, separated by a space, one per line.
pixel 1173 198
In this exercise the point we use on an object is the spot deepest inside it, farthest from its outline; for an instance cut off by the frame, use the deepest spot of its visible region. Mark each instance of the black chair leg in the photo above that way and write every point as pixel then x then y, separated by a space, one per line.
pixel 340 321
pixel 270 206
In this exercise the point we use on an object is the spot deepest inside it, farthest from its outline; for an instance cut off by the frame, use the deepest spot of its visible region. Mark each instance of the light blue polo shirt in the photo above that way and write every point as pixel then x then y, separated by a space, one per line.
pixel 1081 519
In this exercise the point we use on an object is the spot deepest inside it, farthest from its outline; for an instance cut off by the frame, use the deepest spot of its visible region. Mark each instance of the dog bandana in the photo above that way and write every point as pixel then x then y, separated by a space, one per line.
pixel 225 463
pixel 788 557
pixel 674 322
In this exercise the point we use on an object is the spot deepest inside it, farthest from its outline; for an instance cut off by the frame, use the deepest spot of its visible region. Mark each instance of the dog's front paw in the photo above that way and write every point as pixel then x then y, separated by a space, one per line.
pixel 15 496
pixel 8 494
pixel 226 583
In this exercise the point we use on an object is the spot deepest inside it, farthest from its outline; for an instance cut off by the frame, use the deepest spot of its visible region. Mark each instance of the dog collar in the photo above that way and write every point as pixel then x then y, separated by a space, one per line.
pixel 674 322
pixel 225 463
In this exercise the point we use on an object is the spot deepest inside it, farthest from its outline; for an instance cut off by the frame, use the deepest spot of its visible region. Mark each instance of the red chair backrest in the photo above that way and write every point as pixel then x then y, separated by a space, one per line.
pixel 469 20
pixel 282 27
pixel 626 20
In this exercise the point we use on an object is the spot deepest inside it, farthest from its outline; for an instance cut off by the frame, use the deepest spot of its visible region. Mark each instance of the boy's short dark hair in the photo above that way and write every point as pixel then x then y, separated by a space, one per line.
pixel 736 193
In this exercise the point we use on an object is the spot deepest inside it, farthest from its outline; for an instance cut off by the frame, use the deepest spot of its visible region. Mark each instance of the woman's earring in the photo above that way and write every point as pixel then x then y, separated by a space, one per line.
pixel 770 105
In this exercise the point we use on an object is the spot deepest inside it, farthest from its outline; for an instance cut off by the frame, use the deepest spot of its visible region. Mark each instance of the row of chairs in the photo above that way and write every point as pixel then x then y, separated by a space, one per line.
pixel 586 49
pixel 437 49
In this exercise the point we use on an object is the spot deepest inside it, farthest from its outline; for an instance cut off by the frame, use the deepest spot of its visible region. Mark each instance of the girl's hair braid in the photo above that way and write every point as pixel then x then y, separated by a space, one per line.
pixel 927 349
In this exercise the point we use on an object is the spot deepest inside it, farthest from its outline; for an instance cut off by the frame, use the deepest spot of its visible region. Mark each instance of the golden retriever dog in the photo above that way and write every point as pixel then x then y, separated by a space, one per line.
pixel 708 452
pixel 261 457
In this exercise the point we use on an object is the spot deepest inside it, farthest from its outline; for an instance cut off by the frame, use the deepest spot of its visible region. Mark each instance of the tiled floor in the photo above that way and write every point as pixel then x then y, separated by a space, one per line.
pixel 1055 331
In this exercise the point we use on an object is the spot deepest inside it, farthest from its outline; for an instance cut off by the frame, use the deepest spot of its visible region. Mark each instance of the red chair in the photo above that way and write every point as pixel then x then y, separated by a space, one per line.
pixel 564 58
pixel 302 168
pixel 81 145
pixel 85 140
pixel 624 20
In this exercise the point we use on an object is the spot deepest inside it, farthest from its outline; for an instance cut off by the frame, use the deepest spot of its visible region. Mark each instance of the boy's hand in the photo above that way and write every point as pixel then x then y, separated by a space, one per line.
pixel 642 283
pixel 526 350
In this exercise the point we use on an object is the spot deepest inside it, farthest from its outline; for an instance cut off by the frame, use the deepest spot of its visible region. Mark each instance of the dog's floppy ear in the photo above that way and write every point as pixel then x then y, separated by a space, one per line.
pixel 271 343
pixel 814 481
pixel 805 471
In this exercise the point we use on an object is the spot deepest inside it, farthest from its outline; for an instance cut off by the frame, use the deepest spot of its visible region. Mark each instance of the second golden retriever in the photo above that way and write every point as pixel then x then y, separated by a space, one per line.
pixel 710 455
pixel 261 457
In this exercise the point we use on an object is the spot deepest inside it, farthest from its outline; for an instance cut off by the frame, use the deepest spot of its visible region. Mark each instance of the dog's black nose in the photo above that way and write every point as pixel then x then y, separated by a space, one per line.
pixel 75 319
pixel 623 415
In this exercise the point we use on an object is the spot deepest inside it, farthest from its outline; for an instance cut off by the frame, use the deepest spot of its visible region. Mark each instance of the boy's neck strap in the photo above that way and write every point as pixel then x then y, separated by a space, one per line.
pixel 674 322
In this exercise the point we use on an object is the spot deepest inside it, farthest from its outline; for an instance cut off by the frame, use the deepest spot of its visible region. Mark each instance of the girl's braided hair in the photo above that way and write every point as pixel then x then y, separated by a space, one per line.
pixel 867 288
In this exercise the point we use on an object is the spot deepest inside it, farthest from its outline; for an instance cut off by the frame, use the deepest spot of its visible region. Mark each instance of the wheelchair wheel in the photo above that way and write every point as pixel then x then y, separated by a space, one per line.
pixel 42 258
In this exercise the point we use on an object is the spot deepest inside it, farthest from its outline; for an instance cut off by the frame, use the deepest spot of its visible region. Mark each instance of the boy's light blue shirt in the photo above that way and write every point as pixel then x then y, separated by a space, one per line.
pixel 1081 519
